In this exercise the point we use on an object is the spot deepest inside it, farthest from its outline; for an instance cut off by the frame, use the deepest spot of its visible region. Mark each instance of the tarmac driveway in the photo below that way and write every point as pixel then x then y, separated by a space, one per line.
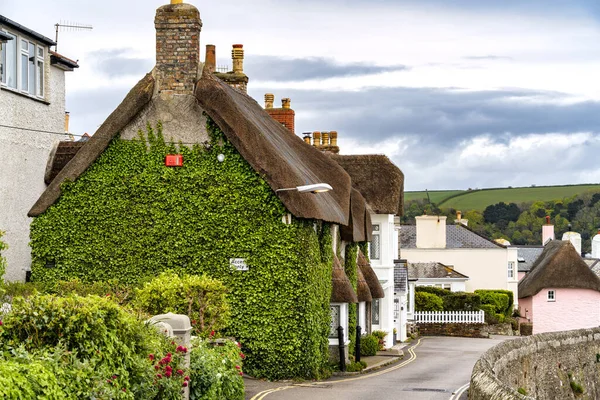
pixel 433 368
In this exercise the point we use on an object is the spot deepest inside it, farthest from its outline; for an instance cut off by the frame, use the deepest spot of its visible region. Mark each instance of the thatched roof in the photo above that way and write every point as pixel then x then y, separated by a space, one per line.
pixel 378 179
pixel 359 228
pixel 559 266
pixel 133 103
pixel 362 289
pixel 59 158
pixel 342 291
pixel 370 277
pixel 283 160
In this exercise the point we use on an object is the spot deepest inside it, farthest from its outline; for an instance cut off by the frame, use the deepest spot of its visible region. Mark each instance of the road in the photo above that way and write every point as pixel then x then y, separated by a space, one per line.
pixel 432 369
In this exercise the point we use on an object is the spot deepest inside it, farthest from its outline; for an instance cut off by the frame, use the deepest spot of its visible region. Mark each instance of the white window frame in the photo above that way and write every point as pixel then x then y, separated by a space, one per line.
pixel 511 269
pixel 551 295
pixel 4 78
pixel 376 234
pixel 39 67
pixel 343 313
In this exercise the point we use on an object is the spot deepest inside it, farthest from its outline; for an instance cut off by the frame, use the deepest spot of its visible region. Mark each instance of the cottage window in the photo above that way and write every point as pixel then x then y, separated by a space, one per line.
pixel 8 62
pixel 375 248
pixel 511 269
pixel 335 320
pixel 375 312
pixel 551 295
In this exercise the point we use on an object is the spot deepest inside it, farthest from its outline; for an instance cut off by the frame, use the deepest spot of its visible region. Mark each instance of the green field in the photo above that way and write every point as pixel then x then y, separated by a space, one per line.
pixel 480 199
pixel 435 195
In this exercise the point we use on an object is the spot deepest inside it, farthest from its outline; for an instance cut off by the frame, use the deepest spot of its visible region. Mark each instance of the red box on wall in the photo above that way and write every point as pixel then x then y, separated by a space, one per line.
pixel 174 160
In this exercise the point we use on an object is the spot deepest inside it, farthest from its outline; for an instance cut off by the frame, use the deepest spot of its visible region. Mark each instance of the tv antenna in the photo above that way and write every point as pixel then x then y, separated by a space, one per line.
pixel 69 26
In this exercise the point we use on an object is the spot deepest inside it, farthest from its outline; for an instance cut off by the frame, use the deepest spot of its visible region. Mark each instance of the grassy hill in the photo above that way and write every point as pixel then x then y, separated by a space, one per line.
pixel 480 199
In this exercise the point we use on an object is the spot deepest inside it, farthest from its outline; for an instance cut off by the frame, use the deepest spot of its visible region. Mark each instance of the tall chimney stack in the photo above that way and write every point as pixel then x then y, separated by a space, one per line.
pixel 284 115
pixel 236 78
pixel 178 27
pixel 210 63
pixel 547 231
pixel 269 99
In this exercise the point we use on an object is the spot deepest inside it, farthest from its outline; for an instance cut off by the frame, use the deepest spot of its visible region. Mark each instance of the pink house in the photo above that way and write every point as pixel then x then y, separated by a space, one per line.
pixel 560 292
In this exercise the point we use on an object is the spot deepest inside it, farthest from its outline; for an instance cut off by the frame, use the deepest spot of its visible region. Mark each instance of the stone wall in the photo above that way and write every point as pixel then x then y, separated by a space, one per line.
pixel 544 366
pixel 504 329
pixel 462 330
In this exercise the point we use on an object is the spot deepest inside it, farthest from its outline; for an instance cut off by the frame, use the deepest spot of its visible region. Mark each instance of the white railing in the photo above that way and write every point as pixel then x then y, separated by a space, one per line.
pixel 455 317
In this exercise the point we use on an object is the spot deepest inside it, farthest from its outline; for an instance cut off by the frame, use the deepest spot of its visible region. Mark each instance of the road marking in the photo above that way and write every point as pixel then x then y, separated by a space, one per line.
pixel 459 392
pixel 413 357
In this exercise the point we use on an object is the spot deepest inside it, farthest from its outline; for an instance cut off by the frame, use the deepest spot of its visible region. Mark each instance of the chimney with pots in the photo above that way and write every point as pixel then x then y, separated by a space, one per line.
pixel 431 232
pixel 236 78
pixel 459 219
pixel 547 231
pixel 284 115
pixel 326 142
pixel 210 62
pixel 178 27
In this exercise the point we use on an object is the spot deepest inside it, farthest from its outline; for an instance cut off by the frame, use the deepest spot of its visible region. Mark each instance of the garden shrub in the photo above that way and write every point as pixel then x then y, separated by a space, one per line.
pixel 199 297
pixel 490 313
pixel 131 218
pixel 502 300
pixel 115 290
pixel 92 345
pixel 356 366
pixel 380 335
pixel 20 289
pixel 454 301
pixel 216 371
pixel 428 302
pixel 369 345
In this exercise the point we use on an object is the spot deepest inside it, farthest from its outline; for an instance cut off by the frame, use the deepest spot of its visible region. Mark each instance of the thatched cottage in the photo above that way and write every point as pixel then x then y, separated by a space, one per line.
pixel 189 173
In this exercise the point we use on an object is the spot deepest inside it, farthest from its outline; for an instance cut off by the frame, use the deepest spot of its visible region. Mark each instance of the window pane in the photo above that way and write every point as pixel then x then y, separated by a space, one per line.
pixel 10 75
pixel 3 63
pixel 31 68
pixel 40 52
pixel 24 72
pixel 375 312
pixel 335 321
pixel 375 247
pixel 24 45
pixel 40 81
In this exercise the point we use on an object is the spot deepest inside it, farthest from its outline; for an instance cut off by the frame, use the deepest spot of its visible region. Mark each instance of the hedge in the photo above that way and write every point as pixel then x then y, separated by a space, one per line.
pixel 129 217
pixel 453 301
pixel 428 302
pixel 501 300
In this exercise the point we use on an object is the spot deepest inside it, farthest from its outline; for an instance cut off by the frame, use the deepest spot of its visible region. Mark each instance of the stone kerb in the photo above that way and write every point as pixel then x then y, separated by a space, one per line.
pixel 542 365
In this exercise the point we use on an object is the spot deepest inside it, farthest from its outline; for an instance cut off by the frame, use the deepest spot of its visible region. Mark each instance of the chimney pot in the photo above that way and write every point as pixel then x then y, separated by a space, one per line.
pixel 237 56
pixel 547 220
pixel 67 117
pixel 211 58
pixel 333 136
pixel 325 138
pixel 176 1
pixel 459 215
pixel 286 103
pixel 269 99
pixel 307 137
pixel 316 139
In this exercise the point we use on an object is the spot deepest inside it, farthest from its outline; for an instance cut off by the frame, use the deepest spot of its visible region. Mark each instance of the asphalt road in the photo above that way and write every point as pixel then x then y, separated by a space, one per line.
pixel 433 369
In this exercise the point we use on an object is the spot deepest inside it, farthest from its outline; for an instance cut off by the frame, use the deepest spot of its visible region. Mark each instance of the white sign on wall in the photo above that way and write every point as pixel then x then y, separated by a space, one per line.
pixel 239 264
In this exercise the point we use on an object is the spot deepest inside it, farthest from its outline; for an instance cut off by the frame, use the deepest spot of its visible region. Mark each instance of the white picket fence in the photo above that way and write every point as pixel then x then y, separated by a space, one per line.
pixel 456 317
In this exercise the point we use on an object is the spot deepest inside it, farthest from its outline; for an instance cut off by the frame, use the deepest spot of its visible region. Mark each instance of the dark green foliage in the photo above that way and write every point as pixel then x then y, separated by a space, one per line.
pixel 350 267
pixel 355 366
pixel 491 317
pixel 454 301
pixel 129 217
pixel 501 300
pixel 380 335
pixel 428 302
pixel 501 212
pixel 369 345
pixel 216 371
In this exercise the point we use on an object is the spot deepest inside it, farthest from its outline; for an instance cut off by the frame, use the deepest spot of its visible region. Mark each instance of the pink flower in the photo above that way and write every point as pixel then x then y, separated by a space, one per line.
pixel 184 383
pixel 159 376
pixel 241 373
pixel 242 355
pixel 237 367
pixel 187 378
pixel 239 345
pixel 179 372
pixel 1 323
pixel 169 368
pixel 114 377
pixel 212 333
pixel 151 357
pixel 156 367
pixel 168 374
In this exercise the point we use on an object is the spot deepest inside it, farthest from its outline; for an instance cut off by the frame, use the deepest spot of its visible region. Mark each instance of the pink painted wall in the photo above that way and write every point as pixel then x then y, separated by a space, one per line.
pixel 572 309
pixel 526 309
pixel 520 275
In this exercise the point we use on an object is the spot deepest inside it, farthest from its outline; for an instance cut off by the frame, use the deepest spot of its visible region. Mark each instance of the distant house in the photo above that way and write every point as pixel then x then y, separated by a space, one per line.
pixel 381 183
pixel 526 257
pixel 560 292
pixel 488 264
pixel 32 121
pixel 437 275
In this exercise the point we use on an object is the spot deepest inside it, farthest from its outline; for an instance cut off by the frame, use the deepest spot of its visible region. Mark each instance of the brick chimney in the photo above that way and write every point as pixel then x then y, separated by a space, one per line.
pixel 236 78
pixel 178 27
pixel 284 115
pixel 210 62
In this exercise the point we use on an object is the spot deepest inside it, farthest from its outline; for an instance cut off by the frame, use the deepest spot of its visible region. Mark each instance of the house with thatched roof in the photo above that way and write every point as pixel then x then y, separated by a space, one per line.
pixel 488 264
pixel 32 100
pixel 191 174
pixel 560 292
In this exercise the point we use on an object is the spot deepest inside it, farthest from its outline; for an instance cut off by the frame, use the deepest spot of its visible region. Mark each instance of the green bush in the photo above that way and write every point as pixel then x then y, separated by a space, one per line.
pixel 199 297
pixel 380 335
pixel 91 345
pixel 369 345
pixel 433 290
pixel 453 301
pixel 216 371
pixel 20 289
pixel 428 302
pixel 356 366
pixel 502 300
pixel 113 289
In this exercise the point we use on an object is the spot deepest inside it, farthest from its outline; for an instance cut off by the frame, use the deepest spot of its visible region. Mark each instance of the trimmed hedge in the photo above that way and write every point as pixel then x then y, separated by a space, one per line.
pixel 129 217
pixel 502 300
pixel 428 302
pixel 453 301
pixel 369 345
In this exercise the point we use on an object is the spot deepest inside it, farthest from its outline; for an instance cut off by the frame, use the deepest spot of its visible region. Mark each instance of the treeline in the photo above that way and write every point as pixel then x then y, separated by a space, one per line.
pixel 521 224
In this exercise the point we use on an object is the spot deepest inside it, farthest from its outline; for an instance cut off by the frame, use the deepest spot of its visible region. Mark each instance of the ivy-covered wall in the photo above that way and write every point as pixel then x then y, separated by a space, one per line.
pixel 129 217
pixel 350 267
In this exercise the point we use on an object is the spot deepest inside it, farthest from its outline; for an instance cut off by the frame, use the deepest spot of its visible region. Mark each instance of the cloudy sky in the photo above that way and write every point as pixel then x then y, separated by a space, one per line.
pixel 464 93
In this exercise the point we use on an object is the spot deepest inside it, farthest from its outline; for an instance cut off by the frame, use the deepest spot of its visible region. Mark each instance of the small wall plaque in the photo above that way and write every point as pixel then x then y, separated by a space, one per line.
pixel 239 264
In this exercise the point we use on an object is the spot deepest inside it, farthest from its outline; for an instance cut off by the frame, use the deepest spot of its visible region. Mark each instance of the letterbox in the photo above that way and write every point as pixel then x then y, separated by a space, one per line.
pixel 174 160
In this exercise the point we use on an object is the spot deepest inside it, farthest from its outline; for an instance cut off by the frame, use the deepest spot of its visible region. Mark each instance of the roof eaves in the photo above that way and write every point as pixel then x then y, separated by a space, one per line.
pixel 20 28
pixel 62 62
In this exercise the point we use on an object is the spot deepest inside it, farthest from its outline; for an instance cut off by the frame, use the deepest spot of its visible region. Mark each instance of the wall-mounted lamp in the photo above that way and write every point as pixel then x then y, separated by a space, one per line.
pixel 221 157
pixel 315 188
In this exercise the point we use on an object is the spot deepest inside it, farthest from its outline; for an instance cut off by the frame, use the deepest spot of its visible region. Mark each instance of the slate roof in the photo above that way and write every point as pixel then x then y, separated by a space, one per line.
pixel 433 270
pixel 594 265
pixel 457 237
pixel 529 254
pixel 400 277
pixel 559 266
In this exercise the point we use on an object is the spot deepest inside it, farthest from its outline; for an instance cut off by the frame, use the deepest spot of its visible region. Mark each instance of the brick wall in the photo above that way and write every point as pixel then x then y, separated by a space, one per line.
pixel 285 116
pixel 177 47
pixel 462 330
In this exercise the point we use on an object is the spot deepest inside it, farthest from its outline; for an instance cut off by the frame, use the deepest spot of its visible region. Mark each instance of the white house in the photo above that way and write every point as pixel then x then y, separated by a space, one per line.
pixel 437 275
pixel 32 122
pixel 488 264
pixel 382 185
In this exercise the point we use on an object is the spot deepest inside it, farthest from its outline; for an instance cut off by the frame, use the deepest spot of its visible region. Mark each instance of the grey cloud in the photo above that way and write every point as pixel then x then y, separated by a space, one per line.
pixel 272 68
pixel 116 63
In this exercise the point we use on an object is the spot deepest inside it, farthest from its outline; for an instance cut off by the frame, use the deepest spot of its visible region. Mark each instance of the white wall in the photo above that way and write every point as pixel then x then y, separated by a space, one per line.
pixel 24 155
